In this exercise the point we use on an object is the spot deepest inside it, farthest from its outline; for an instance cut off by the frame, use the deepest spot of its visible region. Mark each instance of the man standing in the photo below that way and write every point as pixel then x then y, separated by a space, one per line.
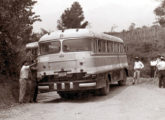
pixel 138 65
pixel 34 90
pixel 24 80
pixel 161 72
pixel 153 64
pixel 157 61
pixel 24 74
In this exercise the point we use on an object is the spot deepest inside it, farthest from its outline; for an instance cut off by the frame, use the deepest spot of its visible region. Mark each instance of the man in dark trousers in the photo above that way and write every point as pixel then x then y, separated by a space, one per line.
pixel 34 85
pixel 24 81
pixel 153 63
pixel 161 72
pixel 138 66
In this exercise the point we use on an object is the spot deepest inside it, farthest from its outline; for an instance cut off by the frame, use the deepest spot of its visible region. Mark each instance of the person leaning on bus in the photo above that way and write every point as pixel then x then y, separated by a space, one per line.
pixel 161 72
pixel 138 65
pixel 34 83
pixel 24 79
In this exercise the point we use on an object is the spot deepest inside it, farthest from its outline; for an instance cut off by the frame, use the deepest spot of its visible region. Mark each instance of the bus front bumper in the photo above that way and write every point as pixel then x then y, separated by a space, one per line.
pixel 70 86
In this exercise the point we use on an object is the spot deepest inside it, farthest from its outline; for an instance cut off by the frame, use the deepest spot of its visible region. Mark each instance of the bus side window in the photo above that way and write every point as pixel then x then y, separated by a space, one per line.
pixel 99 46
pixel 106 46
pixel 125 48
pixel 110 47
pixel 94 45
pixel 119 48
pixel 102 46
pixel 122 48
pixel 114 47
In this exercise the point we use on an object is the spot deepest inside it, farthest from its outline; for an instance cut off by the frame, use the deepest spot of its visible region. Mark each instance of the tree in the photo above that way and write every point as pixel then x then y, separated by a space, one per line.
pixel 132 26
pixel 160 12
pixel 16 19
pixel 72 18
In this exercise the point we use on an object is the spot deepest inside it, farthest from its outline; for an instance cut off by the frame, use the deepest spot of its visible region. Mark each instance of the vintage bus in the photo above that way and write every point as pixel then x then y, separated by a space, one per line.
pixel 76 60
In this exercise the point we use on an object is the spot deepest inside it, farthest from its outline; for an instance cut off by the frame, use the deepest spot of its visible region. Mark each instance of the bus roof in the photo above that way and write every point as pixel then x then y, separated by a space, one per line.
pixel 77 33
pixel 32 45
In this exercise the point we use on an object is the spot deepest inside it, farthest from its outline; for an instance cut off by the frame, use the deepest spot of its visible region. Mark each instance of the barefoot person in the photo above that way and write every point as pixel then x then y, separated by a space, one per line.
pixel 138 65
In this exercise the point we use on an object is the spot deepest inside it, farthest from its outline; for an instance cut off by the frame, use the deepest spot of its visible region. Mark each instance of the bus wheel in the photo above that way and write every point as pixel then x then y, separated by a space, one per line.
pixel 105 90
pixel 123 81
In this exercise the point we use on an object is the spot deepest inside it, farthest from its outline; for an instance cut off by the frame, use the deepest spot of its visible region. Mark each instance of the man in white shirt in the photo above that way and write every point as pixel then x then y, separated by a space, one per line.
pixel 157 61
pixel 24 74
pixel 24 79
pixel 161 70
pixel 138 65
pixel 153 64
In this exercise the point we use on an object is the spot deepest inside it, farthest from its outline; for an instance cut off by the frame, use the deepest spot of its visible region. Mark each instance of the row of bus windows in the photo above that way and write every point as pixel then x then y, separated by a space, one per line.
pixel 103 46
pixel 83 44
pixel 71 45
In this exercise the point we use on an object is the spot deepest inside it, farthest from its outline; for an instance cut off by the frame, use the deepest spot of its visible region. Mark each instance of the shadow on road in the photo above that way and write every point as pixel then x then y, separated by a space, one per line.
pixel 89 96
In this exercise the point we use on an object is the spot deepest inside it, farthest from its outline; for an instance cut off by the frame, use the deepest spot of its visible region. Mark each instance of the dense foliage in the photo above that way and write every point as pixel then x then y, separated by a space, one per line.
pixel 72 18
pixel 16 19
pixel 160 12
pixel 145 42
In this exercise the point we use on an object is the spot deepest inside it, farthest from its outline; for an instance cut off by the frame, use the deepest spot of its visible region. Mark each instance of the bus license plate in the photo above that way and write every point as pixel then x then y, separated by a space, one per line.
pixel 61 74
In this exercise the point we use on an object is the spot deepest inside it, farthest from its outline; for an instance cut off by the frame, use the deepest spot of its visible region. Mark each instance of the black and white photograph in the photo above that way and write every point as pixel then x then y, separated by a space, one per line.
pixel 82 59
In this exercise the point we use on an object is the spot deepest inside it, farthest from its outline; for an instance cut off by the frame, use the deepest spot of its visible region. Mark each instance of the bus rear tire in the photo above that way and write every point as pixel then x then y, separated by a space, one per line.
pixel 123 81
pixel 105 90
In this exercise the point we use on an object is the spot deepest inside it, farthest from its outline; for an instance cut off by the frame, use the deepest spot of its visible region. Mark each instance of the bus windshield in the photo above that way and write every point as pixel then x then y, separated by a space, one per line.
pixel 76 45
pixel 50 47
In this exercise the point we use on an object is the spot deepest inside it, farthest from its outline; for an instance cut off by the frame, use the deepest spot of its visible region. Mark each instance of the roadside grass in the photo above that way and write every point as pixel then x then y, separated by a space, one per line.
pixel 8 93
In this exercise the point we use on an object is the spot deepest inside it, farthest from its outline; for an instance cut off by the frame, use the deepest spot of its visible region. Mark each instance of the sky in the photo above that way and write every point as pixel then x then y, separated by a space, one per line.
pixel 101 14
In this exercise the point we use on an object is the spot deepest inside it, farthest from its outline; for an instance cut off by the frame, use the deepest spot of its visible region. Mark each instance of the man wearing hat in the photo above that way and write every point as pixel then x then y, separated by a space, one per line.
pixel 138 65
pixel 161 70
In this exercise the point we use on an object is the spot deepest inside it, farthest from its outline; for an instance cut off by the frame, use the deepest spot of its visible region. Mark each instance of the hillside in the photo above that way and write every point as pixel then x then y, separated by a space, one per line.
pixel 145 42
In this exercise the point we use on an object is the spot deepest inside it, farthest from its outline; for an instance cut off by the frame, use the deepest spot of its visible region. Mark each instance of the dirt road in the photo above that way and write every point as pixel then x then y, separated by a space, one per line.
pixel 144 101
